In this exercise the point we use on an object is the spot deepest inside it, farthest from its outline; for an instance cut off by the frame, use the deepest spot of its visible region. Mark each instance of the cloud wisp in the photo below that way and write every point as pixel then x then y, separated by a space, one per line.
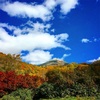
pixel 85 40
pixel 93 60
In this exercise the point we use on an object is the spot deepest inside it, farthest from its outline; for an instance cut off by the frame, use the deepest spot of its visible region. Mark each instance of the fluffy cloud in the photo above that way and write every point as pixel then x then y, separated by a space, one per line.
pixel 42 11
pixel 28 10
pixel 38 57
pixel 94 60
pixel 84 40
pixel 31 41
pixel 67 5
pixel 50 4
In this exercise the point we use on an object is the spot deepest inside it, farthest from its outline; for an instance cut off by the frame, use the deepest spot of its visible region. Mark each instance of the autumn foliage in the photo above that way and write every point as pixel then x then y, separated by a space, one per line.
pixel 71 79
pixel 9 81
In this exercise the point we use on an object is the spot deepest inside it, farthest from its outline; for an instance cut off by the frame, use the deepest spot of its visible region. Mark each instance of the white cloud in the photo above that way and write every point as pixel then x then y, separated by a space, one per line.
pixel 28 27
pixel 26 10
pixel 7 26
pixel 41 27
pixel 94 60
pixel 62 37
pixel 50 4
pixel 42 11
pixel 35 38
pixel 85 40
pixel 65 55
pixel 38 57
pixel 67 5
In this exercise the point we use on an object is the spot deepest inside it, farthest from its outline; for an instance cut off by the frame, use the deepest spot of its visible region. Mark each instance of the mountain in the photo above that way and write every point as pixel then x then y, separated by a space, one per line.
pixel 54 63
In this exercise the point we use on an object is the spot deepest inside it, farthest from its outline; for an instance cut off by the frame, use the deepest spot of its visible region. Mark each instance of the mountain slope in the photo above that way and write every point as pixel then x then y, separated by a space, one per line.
pixel 54 63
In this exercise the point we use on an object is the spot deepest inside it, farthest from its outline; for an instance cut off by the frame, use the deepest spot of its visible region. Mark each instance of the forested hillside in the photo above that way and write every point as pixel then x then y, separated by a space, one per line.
pixel 21 80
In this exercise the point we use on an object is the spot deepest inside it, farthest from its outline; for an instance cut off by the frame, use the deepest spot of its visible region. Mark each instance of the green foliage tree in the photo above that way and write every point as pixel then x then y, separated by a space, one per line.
pixel 46 90
pixel 55 77
pixel 19 94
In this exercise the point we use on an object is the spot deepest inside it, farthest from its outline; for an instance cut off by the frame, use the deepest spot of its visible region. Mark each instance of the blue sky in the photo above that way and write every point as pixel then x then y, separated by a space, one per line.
pixel 42 30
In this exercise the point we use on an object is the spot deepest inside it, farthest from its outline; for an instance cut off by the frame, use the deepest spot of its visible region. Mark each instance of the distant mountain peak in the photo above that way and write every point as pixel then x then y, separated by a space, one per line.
pixel 54 62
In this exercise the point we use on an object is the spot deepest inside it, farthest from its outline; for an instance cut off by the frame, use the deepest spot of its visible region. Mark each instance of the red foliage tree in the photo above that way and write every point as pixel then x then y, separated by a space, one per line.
pixel 9 81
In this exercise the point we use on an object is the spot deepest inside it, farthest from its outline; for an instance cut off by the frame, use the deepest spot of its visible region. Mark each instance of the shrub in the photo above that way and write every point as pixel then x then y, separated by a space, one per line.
pixel 9 97
pixel 49 90
pixel 19 94
pixel 92 91
pixel 79 89
pixel 46 90
pixel 55 77
pixel 61 90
